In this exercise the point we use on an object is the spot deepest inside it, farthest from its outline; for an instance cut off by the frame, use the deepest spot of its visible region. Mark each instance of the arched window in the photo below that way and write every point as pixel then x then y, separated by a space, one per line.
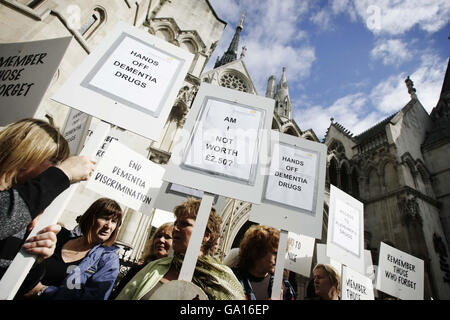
pixel 374 183
pixel 344 178
pixel 165 33
pixel 333 172
pixel 355 183
pixel 290 131
pixel 93 23
pixel 390 177
pixel 233 81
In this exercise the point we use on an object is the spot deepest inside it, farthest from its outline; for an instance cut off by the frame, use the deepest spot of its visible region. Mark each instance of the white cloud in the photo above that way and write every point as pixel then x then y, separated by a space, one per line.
pixel 391 51
pixel 391 95
pixel 272 37
pixel 351 111
pixel 322 19
pixel 388 97
pixel 396 17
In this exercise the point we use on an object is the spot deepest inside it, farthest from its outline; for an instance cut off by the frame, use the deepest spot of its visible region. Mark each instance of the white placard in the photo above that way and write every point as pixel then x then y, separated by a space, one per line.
pixel 171 195
pixel 218 144
pixel 131 80
pixel 160 217
pixel 26 71
pixel 127 177
pixel 369 267
pixel 399 274
pixel 75 130
pixel 345 239
pixel 300 254
pixel 346 226
pixel 322 258
pixel 355 286
pixel 292 176
pixel 243 177
pixel 294 187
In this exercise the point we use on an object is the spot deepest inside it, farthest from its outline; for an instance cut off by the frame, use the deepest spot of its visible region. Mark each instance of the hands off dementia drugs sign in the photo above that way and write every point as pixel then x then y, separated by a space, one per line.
pixel 292 179
pixel 294 186
pixel 400 274
pixel 345 239
pixel 131 80
pixel 355 286
pixel 220 144
pixel 26 71
pixel 127 177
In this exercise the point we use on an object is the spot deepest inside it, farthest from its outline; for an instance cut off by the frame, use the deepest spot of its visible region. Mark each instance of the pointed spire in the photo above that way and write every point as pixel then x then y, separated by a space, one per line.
pixel 231 54
pixel 284 104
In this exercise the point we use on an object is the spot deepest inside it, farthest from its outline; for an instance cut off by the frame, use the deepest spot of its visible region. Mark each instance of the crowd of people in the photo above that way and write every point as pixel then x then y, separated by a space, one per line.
pixel 83 263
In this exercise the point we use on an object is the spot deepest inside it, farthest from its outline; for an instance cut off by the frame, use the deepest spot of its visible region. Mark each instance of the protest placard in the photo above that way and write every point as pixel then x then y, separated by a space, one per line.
pixel 26 71
pixel 171 195
pixel 130 80
pixel 294 186
pixel 300 252
pixel 76 129
pixel 128 177
pixel 224 144
pixel 399 274
pixel 345 239
pixel 322 258
pixel 355 286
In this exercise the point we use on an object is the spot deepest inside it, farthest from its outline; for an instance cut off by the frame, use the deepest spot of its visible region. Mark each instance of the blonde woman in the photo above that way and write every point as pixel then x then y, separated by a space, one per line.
pixel 160 244
pixel 327 282
pixel 34 170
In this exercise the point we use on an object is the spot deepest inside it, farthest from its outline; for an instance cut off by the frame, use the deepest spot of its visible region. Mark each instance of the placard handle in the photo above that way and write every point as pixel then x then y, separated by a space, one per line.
pixel 279 266
pixel 195 243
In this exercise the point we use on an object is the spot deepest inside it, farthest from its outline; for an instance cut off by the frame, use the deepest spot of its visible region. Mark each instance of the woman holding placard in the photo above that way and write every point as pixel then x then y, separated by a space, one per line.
pixel 34 170
pixel 327 282
pixel 84 267
pixel 256 264
pixel 217 281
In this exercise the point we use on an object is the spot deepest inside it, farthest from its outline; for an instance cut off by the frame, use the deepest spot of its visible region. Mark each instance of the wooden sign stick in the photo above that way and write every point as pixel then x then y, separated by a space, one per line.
pixel 279 266
pixel 22 263
pixel 195 243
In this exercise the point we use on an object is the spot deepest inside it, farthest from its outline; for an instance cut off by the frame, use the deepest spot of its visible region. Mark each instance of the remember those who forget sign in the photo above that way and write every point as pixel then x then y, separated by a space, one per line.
pixel 356 286
pixel 26 71
pixel 127 177
pixel 345 239
pixel 400 274
pixel 130 80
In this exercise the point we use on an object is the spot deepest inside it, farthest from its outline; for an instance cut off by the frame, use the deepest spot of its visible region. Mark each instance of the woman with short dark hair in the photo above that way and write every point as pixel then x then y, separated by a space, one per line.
pixel 84 267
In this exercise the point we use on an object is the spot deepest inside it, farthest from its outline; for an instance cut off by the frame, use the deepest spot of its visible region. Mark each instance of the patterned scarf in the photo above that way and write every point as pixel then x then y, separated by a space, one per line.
pixel 215 279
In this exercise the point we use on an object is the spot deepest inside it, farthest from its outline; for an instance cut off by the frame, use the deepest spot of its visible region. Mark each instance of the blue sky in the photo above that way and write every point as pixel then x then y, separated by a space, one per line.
pixel 344 59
